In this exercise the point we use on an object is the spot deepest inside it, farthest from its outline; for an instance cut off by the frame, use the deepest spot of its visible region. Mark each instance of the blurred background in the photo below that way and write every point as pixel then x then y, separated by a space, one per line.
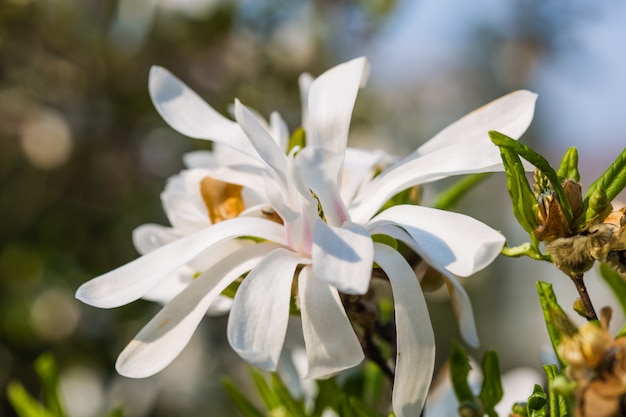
pixel 84 155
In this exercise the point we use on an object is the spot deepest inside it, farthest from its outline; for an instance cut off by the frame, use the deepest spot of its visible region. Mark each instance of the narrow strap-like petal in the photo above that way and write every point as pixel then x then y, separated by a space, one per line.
pixel 510 114
pixel 165 336
pixel 461 303
pixel 342 256
pixel 186 112
pixel 258 318
pixel 149 237
pixel 320 169
pixel 331 344
pixel 415 358
pixel 459 243
pixel 131 281
pixel 422 169
pixel 331 101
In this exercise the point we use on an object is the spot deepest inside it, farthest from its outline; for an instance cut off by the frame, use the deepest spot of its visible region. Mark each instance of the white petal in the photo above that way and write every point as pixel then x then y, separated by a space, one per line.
pixel 459 243
pixel 131 281
pixel 165 336
pixel 304 83
pixel 331 344
pixel 149 237
pixel 359 166
pixel 258 318
pixel 342 256
pixel 262 141
pixel 415 358
pixel 458 296
pixel 331 100
pixel 320 169
pixel 421 169
pixel 463 309
pixel 510 114
pixel 186 112
pixel 279 130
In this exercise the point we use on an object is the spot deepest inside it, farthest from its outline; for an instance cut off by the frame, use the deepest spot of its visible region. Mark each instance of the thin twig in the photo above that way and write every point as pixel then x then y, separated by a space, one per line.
pixel 590 312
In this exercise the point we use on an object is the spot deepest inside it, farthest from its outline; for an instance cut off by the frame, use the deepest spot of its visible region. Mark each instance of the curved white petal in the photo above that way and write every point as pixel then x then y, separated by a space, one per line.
pixel 131 281
pixel 359 166
pixel 415 358
pixel 304 83
pixel 149 237
pixel 460 300
pixel 459 243
pixel 441 163
pixel 331 344
pixel 280 131
pixel 463 309
pixel 187 113
pixel 165 336
pixel 510 114
pixel 262 142
pixel 258 317
pixel 320 169
pixel 330 104
pixel 342 256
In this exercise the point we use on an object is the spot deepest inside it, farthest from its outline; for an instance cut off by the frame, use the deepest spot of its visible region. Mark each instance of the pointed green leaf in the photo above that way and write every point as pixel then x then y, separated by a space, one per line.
pixel 46 369
pixel 538 161
pixel 556 403
pixel 459 370
pixel 569 166
pixel 612 182
pixel 491 390
pixel 537 405
pixel 616 282
pixel 522 197
pixel 362 409
pixel 267 394
pixel 596 207
pixel 23 403
pixel 245 407
pixel 294 407
pixel 297 139
pixel 557 322
pixel 451 195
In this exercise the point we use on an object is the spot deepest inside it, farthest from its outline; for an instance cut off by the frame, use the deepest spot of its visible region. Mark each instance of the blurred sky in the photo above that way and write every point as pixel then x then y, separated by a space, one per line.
pixel 580 76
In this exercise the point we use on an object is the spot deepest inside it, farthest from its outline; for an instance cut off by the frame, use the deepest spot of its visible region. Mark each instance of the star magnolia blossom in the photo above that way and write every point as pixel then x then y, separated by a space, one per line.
pixel 326 255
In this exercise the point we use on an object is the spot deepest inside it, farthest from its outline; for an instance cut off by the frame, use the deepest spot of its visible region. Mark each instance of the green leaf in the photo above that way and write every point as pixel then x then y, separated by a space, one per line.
pixel 556 403
pixel 538 161
pixel 267 394
pixel 595 208
pixel 24 404
pixel 616 282
pixel 611 182
pixel 537 403
pixel 621 333
pixel 525 249
pixel 522 197
pixel 569 166
pixel 491 390
pixel 451 195
pixel 326 396
pixel 557 322
pixel 46 369
pixel 245 407
pixel 363 409
pixel 459 370
pixel 297 139
pixel 294 407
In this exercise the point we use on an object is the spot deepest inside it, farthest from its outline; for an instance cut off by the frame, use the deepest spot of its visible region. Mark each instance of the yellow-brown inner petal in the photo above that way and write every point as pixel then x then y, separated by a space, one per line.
pixel 223 200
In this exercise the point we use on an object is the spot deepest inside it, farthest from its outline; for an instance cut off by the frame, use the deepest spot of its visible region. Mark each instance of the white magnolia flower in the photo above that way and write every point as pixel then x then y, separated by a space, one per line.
pixel 330 254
